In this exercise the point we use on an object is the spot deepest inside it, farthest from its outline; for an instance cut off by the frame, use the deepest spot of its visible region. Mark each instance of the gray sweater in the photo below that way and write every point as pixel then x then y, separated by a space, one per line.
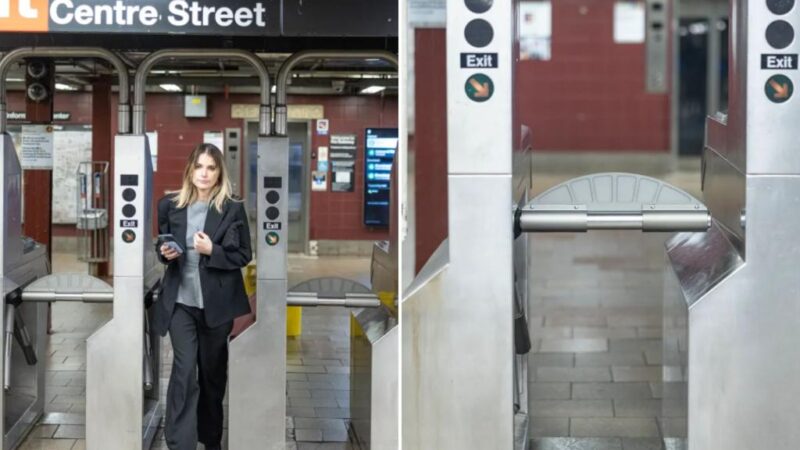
pixel 189 292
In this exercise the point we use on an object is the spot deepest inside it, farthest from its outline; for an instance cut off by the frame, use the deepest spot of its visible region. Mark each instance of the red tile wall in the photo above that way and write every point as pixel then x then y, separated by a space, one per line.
pixel 591 94
pixel 333 215
pixel 429 143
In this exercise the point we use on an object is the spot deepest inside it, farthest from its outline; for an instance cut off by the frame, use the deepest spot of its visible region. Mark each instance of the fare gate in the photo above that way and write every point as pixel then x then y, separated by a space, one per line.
pixel 122 399
pixel 459 399
pixel 738 281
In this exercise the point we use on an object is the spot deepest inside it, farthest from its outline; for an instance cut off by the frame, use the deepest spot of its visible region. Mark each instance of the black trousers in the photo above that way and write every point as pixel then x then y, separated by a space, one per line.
pixel 197 382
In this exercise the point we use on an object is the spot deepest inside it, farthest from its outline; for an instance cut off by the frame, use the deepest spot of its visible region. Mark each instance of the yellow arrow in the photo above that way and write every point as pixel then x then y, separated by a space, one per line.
pixel 481 90
pixel 781 90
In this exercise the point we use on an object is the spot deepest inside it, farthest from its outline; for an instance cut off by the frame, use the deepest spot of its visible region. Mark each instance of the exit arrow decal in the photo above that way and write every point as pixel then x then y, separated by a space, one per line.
pixel 481 90
pixel 479 87
pixel 779 88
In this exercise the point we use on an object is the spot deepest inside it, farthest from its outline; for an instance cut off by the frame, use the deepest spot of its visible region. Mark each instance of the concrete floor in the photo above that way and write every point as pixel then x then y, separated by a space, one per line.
pixel 318 391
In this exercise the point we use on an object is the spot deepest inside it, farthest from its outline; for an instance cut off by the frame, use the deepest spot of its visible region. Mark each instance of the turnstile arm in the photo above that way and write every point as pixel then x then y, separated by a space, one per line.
pixel 349 300
pixel 574 218
pixel 86 297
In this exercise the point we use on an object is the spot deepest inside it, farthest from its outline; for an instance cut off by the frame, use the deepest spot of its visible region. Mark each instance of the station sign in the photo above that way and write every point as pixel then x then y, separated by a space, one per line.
pixel 230 17
pixel 200 17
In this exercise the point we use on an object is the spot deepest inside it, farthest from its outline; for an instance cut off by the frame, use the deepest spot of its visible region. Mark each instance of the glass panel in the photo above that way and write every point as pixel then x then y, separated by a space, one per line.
pixel 722 27
pixel 692 97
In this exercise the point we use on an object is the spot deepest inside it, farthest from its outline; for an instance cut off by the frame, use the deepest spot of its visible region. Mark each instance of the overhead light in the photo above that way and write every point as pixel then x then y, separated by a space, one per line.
pixel 170 87
pixel 65 87
pixel 15 80
pixel 372 89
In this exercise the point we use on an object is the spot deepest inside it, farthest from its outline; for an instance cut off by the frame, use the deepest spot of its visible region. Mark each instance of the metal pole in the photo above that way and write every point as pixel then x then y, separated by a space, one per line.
pixel 70 52
pixel 151 60
pixel 582 220
pixel 348 300
pixel 292 61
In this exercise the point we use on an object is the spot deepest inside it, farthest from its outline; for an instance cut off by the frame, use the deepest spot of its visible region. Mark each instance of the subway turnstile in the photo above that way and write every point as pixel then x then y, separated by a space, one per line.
pixel 458 377
pixel 122 360
pixel 23 341
pixel 122 411
pixel 739 281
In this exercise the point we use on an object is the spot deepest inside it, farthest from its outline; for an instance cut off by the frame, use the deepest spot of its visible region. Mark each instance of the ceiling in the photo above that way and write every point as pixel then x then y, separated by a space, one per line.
pixel 211 75
pixel 317 25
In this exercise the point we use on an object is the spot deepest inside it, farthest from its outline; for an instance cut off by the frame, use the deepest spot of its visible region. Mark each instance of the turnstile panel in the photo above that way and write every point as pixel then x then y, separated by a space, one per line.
pixel 257 365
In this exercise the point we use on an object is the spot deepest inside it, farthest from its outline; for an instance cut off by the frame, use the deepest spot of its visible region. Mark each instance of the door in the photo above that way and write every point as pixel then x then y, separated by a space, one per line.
pixel 299 151
pixel 299 155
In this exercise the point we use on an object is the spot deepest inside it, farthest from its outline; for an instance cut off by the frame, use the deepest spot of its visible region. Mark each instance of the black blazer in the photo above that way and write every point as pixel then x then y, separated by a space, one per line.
pixel 221 282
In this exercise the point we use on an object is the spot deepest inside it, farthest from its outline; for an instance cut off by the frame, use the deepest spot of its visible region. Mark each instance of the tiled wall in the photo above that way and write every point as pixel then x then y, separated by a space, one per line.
pixel 334 216
pixel 591 94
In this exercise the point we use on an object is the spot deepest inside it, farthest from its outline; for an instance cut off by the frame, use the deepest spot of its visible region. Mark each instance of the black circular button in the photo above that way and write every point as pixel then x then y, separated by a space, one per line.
pixel 478 6
pixel 128 236
pixel 780 6
pixel 780 34
pixel 273 197
pixel 128 194
pixel 479 33
pixel 272 213
pixel 128 210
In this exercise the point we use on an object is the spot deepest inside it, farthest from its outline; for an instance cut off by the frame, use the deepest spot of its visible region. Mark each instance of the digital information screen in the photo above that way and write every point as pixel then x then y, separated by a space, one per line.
pixel 378 159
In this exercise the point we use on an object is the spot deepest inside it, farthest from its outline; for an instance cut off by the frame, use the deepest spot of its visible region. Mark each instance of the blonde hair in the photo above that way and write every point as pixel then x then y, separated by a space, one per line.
pixel 220 193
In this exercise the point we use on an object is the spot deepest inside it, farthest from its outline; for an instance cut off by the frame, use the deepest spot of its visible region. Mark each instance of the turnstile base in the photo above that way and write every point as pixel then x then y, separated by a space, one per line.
pixel 152 418
pixel 521 425
pixel 22 413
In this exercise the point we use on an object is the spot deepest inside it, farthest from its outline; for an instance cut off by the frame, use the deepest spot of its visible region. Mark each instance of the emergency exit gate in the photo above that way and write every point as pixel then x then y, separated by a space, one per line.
pixel 736 272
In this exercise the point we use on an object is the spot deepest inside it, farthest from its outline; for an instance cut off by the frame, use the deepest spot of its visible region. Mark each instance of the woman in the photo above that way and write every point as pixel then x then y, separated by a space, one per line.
pixel 203 292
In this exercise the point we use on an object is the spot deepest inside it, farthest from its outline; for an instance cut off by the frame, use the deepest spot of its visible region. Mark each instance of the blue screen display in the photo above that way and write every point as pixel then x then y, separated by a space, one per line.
pixel 378 159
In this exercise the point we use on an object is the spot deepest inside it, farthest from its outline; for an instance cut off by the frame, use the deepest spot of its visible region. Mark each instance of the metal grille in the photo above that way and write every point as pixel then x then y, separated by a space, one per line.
pixel 92 211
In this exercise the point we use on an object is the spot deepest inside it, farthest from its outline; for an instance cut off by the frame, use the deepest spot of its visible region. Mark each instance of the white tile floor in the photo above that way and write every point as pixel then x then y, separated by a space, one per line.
pixel 596 367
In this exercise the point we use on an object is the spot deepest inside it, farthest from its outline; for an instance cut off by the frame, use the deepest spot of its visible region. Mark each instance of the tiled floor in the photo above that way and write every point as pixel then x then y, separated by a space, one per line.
pixel 318 366
pixel 596 323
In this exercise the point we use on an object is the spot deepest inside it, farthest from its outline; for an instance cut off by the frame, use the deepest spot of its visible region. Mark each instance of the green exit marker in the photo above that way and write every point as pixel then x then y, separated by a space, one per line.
pixel 479 87
pixel 272 238
pixel 779 88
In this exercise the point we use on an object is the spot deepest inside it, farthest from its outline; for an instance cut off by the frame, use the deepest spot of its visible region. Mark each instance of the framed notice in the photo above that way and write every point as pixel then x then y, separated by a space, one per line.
pixel 36 151
pixel 629 22
pixel 535 30
pixel 342 156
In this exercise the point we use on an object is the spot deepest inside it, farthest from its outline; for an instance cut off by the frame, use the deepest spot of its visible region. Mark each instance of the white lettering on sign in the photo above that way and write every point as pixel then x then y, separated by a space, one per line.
pixel 775 62
pixel 24 9
pixel 479 61
pixel 181 13
pixel 785 61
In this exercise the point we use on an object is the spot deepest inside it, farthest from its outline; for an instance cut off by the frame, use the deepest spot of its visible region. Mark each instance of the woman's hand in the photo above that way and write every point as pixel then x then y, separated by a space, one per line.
pixel 168 252
pixel 202 243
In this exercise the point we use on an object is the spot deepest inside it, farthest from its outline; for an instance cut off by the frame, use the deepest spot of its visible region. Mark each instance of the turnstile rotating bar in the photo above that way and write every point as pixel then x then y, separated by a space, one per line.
pixel 613 201
pixel 76 287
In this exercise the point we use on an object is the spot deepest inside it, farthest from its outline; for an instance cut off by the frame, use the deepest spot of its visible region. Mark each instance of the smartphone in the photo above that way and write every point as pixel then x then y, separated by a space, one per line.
pixel 170 241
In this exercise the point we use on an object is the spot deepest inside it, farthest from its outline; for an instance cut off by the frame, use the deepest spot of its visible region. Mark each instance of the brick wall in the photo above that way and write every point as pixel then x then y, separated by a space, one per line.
pixel 591 94
pixel 333 216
